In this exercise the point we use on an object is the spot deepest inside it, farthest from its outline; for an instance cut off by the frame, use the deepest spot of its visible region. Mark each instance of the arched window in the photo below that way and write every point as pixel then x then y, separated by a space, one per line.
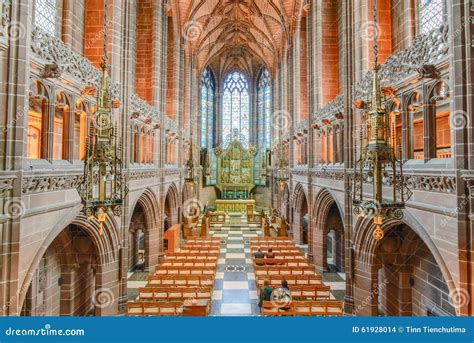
pixel 80 130
pixel 46 16
pixel 60 127
pixel 235 118
pixel 207 109
pixel 264 96
pixel 431 14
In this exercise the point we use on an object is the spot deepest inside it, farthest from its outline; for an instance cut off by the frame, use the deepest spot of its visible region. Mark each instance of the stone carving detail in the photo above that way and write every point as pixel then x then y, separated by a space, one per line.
pixel 39 184
pixel 330 110
pixel 427 183
pixel 430 183
pixel 170 125
pixel 329 174
pixel 143 110
pixel 4 16
pixel 427 49
pixel 5 186
pixel 53 51
pixel 301 128
pixel 144 174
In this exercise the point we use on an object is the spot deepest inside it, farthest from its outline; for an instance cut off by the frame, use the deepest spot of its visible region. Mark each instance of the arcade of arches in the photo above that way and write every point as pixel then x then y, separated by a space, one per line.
pixel 275 82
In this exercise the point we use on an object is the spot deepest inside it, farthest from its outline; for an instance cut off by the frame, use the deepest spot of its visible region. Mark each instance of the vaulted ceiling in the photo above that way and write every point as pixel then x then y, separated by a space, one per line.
pixel 242 34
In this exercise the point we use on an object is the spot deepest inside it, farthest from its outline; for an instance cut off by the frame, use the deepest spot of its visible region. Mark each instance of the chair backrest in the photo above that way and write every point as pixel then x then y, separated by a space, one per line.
pixel 135 308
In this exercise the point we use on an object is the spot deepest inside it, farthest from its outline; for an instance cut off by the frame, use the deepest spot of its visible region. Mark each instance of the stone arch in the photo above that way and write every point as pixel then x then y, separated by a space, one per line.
pixel 300 209
pixel 145 218
pixel 172 206
pixel 393 265
pixel 327 221
pixel 81 249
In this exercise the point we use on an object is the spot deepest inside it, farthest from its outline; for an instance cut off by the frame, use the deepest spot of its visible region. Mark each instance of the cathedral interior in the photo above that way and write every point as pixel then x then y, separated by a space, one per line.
pixel 179 157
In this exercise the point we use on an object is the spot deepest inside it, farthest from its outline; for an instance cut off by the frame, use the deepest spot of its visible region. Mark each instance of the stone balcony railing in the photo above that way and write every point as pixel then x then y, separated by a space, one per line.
pixel 422 57
pixel 52 50
pixel 417 61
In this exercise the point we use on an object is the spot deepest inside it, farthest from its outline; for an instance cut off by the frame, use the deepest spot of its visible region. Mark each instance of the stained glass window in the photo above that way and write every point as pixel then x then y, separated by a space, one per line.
pixel 46 16
pixel 264 98
pixel 236 107
pixel 432 14
pixel 207 109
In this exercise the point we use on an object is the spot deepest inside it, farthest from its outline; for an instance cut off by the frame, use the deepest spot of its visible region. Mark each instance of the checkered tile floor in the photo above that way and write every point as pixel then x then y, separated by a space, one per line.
pixel 235 292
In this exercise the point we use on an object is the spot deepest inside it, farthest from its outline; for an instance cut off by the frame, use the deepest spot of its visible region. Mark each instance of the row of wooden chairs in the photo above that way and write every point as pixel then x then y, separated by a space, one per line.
pixel 175 293
pixel 192 256
pixel 203 239
pixel 303 308
pixel 263 271
pixel 201 244
pixel 196 250
pixel 275 244
pixel 293 280
pixel 180 280
pixel 290 262
pixel 269 239
pixel 179 270
pixel 189 263
pixel 319 292
pixel 276 249
pixel 287 254
pixel 155 308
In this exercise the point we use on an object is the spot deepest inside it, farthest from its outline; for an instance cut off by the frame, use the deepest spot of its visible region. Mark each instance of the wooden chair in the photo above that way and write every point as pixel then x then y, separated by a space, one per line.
pixel 135 308
pixel 302 308
pixel 151 308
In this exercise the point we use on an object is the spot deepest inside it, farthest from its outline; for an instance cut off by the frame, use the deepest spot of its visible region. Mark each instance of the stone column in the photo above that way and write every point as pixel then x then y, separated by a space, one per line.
pixel 462 76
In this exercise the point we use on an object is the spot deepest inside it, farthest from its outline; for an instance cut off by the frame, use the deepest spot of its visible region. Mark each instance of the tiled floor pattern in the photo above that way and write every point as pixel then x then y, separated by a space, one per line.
pixel 235 292
pixel 336 280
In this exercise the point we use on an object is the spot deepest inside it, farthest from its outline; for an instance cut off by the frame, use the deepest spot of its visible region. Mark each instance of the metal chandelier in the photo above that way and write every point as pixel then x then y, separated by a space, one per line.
pixel 377 163
pixel 102 190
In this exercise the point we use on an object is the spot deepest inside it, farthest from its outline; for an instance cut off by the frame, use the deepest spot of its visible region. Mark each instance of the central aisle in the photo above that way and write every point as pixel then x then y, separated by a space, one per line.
pixel 235 292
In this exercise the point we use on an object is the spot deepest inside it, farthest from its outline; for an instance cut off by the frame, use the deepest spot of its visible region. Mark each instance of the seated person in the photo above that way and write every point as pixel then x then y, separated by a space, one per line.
pixel 259 254
pixel 282 296
pixel 270 255
pixel 265 293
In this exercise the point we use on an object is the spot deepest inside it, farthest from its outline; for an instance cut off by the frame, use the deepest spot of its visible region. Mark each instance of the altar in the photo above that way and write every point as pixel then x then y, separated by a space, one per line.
pixel 235 173
pixel 234 206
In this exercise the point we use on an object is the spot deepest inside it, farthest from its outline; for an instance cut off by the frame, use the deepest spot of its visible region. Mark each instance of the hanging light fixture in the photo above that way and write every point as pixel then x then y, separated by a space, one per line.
pixel 102 190
pixel 377 162
pixel 190 179
pixel 282 172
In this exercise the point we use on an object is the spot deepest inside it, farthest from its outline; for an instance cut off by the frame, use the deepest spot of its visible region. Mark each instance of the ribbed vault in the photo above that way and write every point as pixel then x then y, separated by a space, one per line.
pixel 237 34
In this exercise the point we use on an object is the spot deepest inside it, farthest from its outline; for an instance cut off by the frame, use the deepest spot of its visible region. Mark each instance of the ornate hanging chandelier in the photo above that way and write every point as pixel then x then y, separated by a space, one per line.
pixel 102 190
pixel 282 170
pixel 190 178
pixel 377 163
